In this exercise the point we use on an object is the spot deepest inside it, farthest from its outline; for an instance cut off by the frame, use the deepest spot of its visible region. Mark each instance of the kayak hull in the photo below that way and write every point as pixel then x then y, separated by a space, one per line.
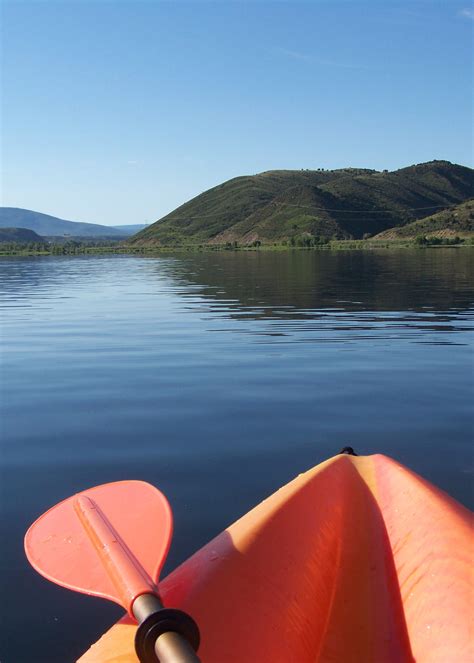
pixel 356 560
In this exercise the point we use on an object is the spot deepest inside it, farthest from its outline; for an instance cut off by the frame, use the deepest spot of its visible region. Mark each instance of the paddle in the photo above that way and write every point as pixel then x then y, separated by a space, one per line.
pixel 111 541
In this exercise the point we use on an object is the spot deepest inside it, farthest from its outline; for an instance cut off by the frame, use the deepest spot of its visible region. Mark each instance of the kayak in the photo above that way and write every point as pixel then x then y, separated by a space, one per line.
pixel 358 560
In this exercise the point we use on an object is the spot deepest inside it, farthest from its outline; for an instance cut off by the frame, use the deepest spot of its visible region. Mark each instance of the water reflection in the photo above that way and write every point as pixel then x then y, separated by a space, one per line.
pixel 306 295
pixel 217 377
pixel 298 283
pixel 322 292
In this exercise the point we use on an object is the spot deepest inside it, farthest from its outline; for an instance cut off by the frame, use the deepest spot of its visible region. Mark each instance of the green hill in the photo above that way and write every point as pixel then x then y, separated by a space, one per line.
pixel 452 222
pixel 275 206
pixel 20 236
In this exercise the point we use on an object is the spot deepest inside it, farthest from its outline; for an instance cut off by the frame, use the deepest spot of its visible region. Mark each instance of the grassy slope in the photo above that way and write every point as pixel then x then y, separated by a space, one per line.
pixel 276 205
pixel 218 209
pixel 300 209
pixel 458 220
pixel 403 195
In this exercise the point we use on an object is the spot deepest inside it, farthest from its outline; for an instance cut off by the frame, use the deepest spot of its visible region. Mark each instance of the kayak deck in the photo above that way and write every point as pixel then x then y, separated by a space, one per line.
pixel 358 560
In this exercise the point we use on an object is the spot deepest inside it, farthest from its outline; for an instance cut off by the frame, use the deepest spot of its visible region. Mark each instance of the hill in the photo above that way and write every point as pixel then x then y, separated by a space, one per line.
pixel 455 221
pixel 47 225
pixel 20 236
pixel 277 206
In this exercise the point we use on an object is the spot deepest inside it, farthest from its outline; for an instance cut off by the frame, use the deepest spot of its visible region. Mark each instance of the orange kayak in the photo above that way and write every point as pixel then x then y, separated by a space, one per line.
pixel 358 560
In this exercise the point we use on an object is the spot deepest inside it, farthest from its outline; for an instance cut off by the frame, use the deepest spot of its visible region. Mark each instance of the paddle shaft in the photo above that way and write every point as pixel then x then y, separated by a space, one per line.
pixel 174 648
pixel 130 579
pixel 169 647
pixel 92 543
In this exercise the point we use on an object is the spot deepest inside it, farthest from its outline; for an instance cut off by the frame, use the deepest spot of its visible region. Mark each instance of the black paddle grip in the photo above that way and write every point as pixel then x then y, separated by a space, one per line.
pixel 349 451
pixel 163 621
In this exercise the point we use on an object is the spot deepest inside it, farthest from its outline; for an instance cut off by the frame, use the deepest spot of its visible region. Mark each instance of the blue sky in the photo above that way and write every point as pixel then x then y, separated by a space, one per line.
pixel 118 112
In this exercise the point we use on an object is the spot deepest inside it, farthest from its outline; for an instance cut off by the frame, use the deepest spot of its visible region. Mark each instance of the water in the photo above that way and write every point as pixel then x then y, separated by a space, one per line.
pixel 217 377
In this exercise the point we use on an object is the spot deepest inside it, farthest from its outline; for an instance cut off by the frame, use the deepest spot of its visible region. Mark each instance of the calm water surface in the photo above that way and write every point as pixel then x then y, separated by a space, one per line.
pixel 217 377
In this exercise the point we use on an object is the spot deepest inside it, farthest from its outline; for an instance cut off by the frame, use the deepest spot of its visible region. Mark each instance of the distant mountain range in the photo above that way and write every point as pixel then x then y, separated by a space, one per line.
pixel 130 229
pixel 50 226
pixel 276 206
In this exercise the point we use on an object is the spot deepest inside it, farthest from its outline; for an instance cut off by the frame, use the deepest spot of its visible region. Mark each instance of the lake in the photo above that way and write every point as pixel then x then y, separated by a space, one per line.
pixel 217 377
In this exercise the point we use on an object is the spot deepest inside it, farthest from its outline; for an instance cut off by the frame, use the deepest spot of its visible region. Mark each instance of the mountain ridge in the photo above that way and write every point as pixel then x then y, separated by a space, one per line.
pixel 19 235
pixel 277 206
pixel 47 225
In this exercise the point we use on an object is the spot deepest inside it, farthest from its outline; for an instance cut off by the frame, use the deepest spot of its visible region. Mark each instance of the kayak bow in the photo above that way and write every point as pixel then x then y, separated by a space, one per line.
pixel 358 560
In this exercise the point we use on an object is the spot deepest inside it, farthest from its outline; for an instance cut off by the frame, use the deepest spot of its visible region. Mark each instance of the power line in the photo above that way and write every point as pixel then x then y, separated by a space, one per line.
pixel 361 211
pixel 322 209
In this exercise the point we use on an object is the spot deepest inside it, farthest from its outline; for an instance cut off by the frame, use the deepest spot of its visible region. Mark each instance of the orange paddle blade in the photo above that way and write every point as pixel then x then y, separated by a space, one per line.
pixel 109 541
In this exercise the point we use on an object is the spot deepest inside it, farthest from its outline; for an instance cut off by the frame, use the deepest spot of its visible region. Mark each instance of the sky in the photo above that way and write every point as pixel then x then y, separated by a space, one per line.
pixel 117 112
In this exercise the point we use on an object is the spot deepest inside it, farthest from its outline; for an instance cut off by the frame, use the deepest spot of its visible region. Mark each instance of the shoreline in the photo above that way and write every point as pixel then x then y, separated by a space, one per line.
pixel 331 245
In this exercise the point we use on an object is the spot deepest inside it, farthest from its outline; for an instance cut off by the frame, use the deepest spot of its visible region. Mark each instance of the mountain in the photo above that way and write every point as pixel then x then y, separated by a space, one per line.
pixel 277 206
pixel 47 225
pixel 457 220
pixel 20 236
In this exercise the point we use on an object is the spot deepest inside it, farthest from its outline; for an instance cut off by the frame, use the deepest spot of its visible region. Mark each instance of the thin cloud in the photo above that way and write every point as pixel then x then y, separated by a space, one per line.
pixel 305 57
pixel 467 13
pixel 296 55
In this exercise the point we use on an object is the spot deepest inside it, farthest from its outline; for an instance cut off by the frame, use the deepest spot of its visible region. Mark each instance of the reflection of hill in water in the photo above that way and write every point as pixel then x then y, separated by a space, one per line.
pixel 433 285
pixel 295 285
